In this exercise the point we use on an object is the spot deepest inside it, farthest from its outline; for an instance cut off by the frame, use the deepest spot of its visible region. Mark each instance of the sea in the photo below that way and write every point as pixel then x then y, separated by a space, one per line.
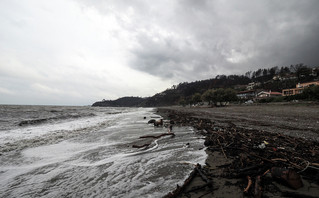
pixel 83 151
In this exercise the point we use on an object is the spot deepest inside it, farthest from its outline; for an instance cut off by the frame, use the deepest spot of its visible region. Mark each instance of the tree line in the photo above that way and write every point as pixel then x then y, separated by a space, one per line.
pixel 224 87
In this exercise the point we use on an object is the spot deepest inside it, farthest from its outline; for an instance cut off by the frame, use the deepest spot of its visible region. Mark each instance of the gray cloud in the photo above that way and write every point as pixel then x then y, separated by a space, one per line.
pixel 191 40
pixel 75 52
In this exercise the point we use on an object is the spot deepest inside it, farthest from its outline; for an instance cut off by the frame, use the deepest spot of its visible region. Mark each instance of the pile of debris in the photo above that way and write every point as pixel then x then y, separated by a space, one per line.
pixel 255 154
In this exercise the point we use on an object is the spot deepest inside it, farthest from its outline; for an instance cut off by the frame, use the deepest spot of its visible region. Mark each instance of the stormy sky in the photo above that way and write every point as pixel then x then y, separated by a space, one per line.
pixel 76 52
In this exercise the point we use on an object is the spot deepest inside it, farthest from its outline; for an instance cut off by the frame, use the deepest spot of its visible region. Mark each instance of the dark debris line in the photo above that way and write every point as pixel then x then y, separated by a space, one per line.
pixel 255 153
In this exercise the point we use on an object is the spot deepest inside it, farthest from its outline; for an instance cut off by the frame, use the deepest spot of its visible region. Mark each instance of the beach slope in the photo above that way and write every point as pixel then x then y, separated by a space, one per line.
pixel 247 144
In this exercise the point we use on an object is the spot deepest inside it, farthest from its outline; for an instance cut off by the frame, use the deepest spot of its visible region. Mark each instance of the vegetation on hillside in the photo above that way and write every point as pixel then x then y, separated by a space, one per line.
pixel 223 88
pixel 121 102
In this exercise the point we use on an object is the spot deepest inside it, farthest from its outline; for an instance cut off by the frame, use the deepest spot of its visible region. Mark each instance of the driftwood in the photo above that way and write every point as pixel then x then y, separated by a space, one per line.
pixel 221 148
pixel 258 189
pixel 296 194
pixel 248 184
pixel 255 152
pixel 267 171
pixel 249 168
pixel 158 122
pixel 179 189
pixel 290 177
pixel 195 188
pixel 137 146
pixel 152 136
pixel 158 136
pixel 202 175
pixel 151 121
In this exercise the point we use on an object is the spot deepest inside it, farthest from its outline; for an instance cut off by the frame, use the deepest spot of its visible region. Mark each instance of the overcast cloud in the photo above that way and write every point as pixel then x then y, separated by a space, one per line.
pixel 77 52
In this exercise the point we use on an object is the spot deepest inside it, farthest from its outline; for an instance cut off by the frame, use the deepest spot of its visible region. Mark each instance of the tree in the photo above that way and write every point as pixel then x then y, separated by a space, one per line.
pixel 247 74
pixel 182 102
pixel 196 98
pixel 258 72
pixel 273 70
pixel 230 95
pixel 295 68
pixel 208 96
pixel 311 93
pixel 303 73
pixel 253 75
pixel 284 71
pixel 224 95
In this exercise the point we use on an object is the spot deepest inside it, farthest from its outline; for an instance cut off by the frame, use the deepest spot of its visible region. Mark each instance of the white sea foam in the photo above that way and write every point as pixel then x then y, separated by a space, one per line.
pixel 30 132
pixel 94 157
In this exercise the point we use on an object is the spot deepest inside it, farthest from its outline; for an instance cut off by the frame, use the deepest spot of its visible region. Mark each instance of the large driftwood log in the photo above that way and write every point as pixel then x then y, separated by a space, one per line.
pixel 202 175
pixel 158 136
pixel 180 189
pixel 199 187
pixel 140 146
pixel 152 136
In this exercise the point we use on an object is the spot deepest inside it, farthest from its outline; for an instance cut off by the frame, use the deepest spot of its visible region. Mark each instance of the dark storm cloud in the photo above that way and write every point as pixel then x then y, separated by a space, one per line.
pixel 125 47
pixel 167 57
pixel 205 38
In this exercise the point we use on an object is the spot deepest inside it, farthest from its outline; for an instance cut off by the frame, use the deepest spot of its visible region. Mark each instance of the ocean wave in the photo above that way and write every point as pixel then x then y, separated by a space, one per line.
pixel 44 120
pixel 50 138
pixel 94 157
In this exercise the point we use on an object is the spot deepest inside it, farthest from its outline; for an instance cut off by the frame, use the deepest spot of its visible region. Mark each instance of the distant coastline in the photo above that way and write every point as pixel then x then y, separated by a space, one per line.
pixel 121 102
pixel 297 82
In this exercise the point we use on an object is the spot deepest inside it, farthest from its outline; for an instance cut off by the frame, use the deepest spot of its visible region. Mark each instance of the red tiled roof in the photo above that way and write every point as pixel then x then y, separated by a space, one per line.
pixel 275 93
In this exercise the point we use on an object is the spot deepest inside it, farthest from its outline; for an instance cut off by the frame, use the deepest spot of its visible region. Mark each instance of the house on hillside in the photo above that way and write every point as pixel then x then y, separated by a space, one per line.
pixel 299 88
pixel 267 94
pixel 250 94
pixel 252 85
pixel 285 77
pixel 315 72
pixel 240 87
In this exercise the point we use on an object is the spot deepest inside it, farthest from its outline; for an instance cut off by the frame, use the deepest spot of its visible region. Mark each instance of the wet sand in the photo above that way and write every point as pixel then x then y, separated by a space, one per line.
pixel 300 121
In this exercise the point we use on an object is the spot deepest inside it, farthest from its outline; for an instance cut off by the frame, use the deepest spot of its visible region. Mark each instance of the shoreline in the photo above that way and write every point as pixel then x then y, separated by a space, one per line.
pixel 232 153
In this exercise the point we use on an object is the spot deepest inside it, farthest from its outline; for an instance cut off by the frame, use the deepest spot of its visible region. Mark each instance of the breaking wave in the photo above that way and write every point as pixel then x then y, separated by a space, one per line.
pixel 86 152
pixel 43 120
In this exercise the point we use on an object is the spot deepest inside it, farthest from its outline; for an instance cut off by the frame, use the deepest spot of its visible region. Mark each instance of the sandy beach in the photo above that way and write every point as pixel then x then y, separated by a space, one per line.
pixel 247 141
